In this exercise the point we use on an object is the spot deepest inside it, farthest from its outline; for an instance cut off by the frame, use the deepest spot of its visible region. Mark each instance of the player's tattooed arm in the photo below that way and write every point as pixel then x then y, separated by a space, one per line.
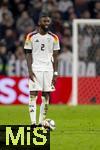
pixel 55 65
pixel 29 63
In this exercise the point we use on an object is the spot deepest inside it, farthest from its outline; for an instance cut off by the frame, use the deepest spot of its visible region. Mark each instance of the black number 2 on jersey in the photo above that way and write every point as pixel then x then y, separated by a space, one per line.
pixel 42 47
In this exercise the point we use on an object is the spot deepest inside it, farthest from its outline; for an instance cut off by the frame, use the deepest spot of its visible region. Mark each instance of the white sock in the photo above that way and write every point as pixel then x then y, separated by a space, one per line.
pixel 43 109
pixel 32 108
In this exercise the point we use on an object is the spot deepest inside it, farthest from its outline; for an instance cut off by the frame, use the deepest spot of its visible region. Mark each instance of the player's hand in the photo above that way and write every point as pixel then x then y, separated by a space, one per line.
pixel 54 79
pixel 32 76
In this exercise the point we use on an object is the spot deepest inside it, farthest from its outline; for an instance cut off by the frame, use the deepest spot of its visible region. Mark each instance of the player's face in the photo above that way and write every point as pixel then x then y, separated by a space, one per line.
pixel 45 23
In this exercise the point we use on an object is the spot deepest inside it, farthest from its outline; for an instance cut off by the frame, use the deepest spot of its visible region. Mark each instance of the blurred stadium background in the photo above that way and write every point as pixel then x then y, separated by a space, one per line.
pixel 77 128
pixel 89 62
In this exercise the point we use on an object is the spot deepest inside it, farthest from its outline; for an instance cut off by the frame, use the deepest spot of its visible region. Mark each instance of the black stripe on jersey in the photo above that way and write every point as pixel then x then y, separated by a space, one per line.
pixel 53 35
pixel 32 33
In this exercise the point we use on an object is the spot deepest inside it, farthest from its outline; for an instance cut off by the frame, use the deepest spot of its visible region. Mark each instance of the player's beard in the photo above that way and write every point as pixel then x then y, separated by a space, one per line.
pixel 45 29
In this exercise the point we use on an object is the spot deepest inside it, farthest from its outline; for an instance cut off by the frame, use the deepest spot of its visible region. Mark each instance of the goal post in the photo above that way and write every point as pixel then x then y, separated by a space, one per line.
pixel 86 61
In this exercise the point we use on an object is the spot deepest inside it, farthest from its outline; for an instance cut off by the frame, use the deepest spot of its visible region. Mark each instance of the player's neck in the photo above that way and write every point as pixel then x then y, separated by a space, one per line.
pixel 42 32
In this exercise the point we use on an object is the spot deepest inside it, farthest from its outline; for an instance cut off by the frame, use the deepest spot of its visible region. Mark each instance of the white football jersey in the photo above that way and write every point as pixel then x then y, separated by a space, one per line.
pixel 42 47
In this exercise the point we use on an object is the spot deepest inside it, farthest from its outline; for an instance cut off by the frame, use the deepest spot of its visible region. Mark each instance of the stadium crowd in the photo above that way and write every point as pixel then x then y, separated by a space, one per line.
pixel 19 17
pixel 89 45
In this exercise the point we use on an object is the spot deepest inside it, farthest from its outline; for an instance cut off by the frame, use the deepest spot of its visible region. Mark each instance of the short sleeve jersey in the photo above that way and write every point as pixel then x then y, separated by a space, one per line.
pixel 42 47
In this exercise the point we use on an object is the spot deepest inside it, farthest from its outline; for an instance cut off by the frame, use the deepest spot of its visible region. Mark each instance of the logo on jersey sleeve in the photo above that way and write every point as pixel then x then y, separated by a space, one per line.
pixel 27 43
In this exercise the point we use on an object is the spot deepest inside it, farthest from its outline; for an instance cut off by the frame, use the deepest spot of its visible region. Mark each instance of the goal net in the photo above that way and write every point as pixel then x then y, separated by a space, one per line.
pixel 86 62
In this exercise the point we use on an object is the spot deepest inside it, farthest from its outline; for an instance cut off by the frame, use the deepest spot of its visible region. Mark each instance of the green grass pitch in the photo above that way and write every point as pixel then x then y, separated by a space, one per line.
pixel 77 128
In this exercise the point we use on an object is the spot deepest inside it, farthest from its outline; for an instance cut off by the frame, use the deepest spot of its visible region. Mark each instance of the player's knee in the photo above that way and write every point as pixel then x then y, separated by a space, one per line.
pixel 33 93
pixel 46 95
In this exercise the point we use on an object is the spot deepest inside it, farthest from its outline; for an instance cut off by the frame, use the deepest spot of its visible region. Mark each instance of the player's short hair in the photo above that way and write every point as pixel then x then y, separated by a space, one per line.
pixel 44 14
